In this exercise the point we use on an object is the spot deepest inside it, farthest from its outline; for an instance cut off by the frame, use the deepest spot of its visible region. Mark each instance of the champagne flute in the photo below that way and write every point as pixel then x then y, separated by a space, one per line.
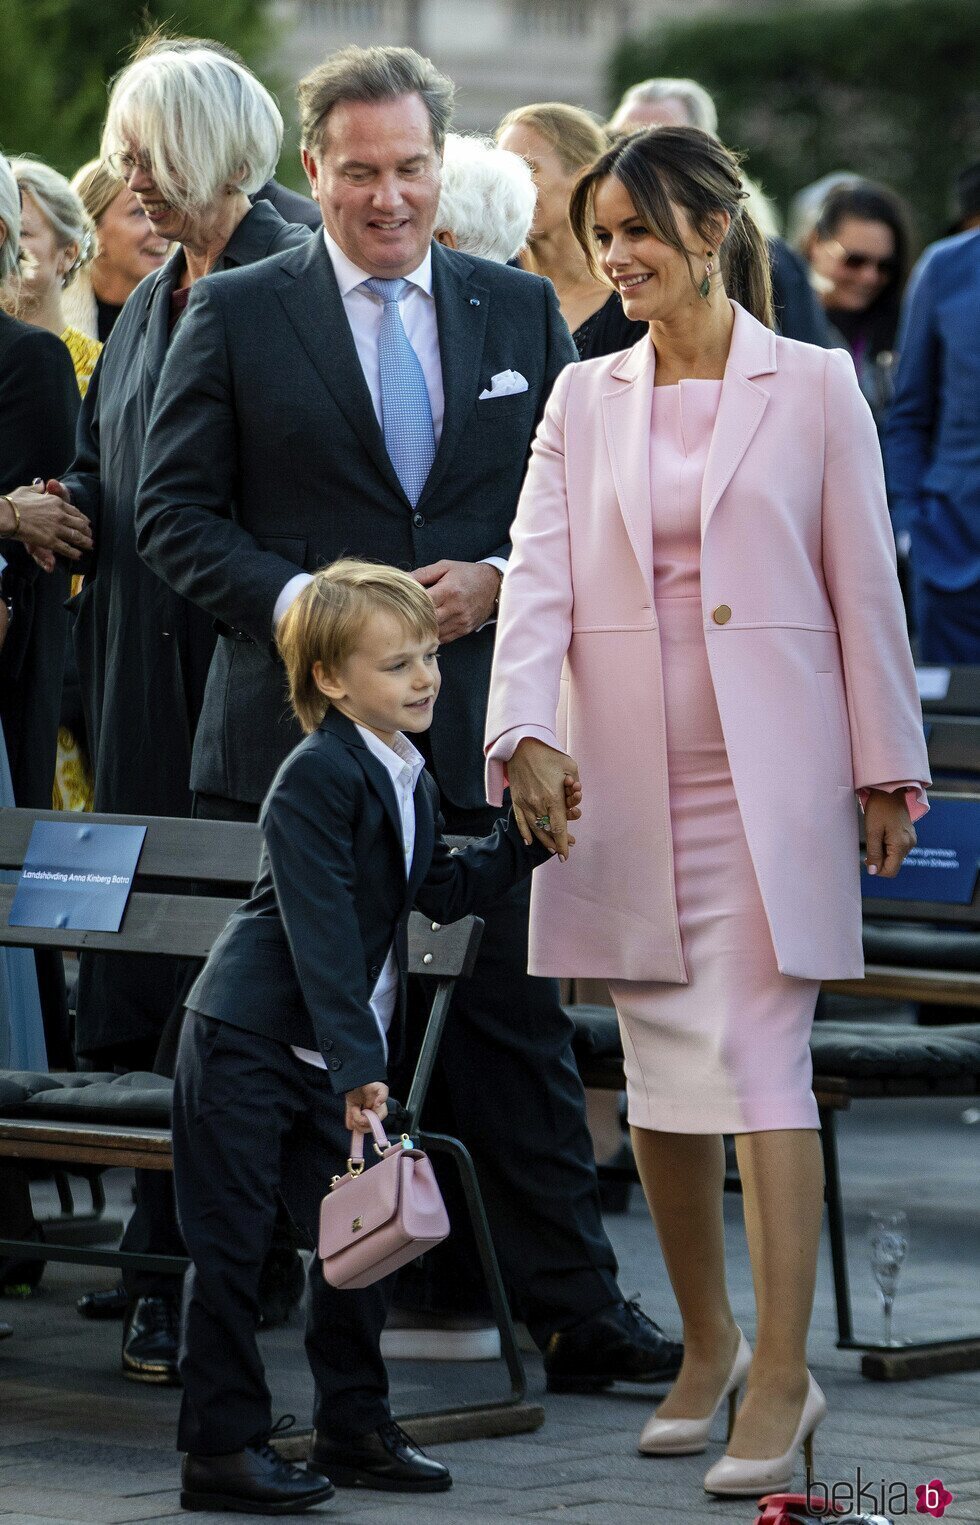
pixel 888 1237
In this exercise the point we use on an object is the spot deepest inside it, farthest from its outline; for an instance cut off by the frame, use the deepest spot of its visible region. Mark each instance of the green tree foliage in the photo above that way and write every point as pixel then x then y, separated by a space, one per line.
pixel 887 88
pixel 58 56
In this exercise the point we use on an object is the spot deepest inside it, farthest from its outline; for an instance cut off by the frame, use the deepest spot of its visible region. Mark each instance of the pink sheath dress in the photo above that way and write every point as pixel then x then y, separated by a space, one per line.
pixel 729 1051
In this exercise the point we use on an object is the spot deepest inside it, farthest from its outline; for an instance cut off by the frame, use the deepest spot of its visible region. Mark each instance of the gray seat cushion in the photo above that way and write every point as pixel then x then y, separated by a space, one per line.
pixel 139 1098
pixel 848 1050
pixel 873 1051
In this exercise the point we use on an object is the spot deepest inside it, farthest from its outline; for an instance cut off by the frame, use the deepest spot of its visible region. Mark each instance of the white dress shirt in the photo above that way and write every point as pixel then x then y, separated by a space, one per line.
pixel 364 312
pixel 403 763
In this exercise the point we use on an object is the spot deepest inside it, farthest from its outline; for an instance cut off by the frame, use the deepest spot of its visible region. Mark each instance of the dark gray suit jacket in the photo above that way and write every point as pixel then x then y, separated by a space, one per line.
pixel 265 456
pixel 299 960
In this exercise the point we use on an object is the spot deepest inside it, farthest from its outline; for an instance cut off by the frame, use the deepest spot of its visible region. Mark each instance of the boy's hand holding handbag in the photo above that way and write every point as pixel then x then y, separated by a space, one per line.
pixel 373 1221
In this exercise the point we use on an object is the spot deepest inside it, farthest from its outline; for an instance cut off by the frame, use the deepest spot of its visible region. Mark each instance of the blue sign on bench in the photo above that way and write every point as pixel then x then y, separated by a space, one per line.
pixel 944 864
pixel 77 875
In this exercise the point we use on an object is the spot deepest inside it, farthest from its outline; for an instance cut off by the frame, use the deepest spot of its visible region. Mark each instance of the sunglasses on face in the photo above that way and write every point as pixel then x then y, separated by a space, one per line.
pixel 852 259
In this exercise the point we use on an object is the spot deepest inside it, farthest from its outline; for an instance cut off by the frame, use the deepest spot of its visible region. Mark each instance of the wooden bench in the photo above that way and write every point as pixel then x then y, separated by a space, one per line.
pixel 191 876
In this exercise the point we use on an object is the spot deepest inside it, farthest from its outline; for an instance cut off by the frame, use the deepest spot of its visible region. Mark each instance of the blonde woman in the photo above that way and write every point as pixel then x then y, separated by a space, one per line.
pixel 127 250
pixel 558 142
pixel 57 241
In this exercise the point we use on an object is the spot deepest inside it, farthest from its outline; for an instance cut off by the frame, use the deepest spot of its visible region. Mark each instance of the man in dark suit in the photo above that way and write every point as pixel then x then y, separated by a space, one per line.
pixel 376 394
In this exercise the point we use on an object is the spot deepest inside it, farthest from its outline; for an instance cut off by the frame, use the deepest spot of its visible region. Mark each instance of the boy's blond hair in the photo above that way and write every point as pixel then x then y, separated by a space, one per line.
pixel 324 624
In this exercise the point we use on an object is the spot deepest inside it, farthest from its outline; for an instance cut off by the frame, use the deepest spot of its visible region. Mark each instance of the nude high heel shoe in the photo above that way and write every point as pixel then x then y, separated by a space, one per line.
pixel 740 1477
pixel 687 1437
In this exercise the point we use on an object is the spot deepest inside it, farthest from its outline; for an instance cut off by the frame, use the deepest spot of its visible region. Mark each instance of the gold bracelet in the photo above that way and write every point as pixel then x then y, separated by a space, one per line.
pixel 5 499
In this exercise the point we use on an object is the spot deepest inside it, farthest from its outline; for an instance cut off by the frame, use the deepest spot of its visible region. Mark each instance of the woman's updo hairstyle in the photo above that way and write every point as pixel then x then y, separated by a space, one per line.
pixel 692 170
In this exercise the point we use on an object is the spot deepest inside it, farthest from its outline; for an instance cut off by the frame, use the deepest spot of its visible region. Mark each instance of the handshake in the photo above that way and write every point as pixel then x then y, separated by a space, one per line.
pixel 42 518
pixel 545 794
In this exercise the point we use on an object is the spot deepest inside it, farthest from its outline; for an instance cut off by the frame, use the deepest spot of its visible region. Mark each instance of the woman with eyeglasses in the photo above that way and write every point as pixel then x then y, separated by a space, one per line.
pixel 859 254
pixel 192 134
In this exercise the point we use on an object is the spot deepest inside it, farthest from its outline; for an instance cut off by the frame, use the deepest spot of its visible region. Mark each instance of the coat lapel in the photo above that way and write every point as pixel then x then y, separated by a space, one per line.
pixel 254 238
pixel 462 310
pixel 626 415
pixel 309 293
pixel 740 410
pixel 156 329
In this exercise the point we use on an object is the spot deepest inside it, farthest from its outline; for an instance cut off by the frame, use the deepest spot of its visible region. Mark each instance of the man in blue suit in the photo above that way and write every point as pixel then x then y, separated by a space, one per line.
pixel 378 397
pixel 932 446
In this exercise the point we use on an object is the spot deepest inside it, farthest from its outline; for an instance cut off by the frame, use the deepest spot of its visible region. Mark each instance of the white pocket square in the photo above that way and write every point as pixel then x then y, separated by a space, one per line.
pixel 505 384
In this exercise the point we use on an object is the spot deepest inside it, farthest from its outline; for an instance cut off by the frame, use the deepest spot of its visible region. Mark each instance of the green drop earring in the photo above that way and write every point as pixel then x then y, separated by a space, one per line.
pixel 704 290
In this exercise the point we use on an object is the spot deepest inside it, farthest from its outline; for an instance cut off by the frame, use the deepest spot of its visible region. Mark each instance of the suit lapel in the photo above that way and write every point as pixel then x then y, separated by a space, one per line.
pixel 309 293
pixel 626 415
pixel 462 311
pixel 425 836
pixel 377 775
pixel 740 410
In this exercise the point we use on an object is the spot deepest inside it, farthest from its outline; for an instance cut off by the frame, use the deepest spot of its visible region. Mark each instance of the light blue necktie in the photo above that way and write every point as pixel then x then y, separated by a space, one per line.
pixel 406 412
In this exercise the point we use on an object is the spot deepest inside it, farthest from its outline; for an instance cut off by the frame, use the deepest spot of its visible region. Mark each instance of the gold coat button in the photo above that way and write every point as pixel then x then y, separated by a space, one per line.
pixel 722 614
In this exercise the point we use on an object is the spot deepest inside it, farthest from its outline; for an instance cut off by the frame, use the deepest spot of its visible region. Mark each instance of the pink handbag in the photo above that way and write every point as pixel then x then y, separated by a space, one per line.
pixel 373 1221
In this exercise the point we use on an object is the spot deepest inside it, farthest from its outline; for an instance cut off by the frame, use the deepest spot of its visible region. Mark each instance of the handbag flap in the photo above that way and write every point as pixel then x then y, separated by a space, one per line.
pixel 360 1205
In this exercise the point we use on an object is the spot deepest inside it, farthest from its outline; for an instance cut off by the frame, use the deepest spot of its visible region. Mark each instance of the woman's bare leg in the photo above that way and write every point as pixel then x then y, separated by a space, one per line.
pixel 683 1176
pixel 782 1187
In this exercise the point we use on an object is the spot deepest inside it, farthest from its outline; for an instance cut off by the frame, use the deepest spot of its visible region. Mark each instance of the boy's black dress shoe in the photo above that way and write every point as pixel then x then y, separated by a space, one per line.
pixel 151 1336
pixel 385 1458
pixel 620 1344
pixel 253 1481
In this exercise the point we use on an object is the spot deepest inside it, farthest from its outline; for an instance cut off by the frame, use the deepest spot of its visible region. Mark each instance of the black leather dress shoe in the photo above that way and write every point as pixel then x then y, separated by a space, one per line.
pixel 253 1481
pixel 110 1304
pixel 151 1336
pixel 386 1458
pixel 6 1330
pixel 620 1344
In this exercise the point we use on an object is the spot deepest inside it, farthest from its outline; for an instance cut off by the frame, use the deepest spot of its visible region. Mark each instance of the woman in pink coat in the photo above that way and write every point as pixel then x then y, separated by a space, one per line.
pixel 702 620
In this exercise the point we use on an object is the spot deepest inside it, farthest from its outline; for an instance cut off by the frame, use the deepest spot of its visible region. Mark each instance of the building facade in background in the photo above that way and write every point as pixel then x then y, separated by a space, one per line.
pixel 500 53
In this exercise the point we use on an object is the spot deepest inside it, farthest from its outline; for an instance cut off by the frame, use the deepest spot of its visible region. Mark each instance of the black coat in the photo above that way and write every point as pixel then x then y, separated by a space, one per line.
pixel 290 204
pixel 143 653
pixel 300 959
pixel 38 407
pixel 265 457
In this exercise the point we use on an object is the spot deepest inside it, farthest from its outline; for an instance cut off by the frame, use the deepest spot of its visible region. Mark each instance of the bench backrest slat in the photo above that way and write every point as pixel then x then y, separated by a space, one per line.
pixel 205 853
pixel 181 925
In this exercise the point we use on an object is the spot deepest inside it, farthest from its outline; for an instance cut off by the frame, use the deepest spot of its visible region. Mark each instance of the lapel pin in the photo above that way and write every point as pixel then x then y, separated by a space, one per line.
pixel 474 301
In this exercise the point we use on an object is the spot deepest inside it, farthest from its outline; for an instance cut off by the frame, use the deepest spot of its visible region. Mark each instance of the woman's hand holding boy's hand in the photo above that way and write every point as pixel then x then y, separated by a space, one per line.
pixel 544 786
pixel 370 1098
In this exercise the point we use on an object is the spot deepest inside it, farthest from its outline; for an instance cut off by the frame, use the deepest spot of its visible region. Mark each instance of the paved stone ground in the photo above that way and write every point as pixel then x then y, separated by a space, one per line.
pixel 79 1444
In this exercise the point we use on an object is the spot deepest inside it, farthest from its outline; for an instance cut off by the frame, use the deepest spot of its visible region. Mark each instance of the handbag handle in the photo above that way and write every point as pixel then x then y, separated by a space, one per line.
pixel 355 1163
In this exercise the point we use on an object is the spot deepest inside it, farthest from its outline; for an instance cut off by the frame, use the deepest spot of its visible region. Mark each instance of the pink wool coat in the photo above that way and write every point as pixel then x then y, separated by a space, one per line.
pixel 806 643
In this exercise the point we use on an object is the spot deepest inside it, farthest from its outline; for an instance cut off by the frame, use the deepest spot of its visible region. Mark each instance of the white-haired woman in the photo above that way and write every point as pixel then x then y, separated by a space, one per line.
pixel 191 133
pixel 486 200
pixel 127 250
pixel 57 240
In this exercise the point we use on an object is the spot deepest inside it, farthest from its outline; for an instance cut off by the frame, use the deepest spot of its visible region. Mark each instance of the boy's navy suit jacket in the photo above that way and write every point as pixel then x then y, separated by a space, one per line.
pixel 300 959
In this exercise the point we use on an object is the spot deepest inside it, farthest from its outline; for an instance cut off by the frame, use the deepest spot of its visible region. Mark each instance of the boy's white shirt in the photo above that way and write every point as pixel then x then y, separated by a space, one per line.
pixel 403 763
